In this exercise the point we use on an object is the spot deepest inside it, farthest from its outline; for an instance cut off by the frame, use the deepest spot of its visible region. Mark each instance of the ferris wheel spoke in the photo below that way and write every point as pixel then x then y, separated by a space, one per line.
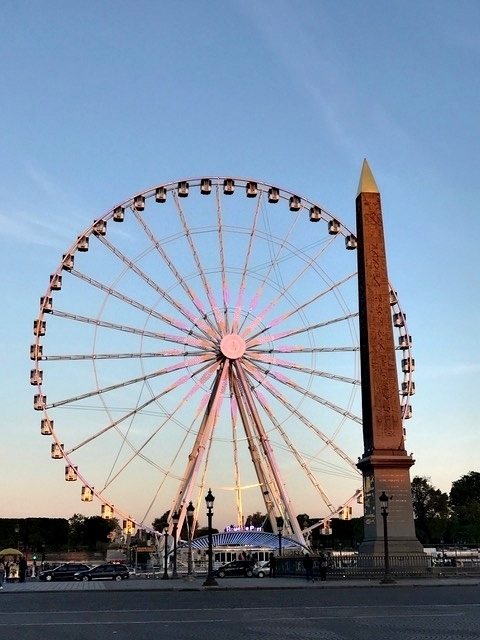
pixel 125 383
pixel 257 340
pixel 120 356
pixel 302 391
pixel 137 410
pixel 283 401
pixel 205 325
pixel 284 290
pixel 297 308
pixel 137 452
pixel 272 266
pixel 299 349
pixel 267 359
pixel 190 341
pixel 170 320
pixel 193 250
pixel 291 447
pixel 201 325
pixel 246 263
pixel 225 289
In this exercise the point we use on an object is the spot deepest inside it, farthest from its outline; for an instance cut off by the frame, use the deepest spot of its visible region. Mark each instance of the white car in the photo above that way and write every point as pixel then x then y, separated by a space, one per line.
pixel 262 569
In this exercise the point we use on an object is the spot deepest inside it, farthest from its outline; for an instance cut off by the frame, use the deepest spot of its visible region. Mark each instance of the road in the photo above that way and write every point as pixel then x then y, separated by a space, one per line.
pixel 376 613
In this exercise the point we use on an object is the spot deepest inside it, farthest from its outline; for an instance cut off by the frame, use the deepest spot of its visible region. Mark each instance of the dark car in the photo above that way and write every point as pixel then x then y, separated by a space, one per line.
pixel 63 572
pixel 236 568
pixel 104 572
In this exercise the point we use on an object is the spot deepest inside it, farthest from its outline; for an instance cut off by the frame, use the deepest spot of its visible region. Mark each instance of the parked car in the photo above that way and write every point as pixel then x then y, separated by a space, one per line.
pixel 262 569
pixel 236 568
pixel 63 572
pixel 104 572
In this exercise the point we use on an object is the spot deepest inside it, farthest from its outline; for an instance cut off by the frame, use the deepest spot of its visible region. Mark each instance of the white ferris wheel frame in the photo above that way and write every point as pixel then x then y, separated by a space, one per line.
pixel 235 365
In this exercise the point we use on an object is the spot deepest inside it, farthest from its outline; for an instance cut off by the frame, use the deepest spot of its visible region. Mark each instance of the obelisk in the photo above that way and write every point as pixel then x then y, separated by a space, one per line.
pixel 385 464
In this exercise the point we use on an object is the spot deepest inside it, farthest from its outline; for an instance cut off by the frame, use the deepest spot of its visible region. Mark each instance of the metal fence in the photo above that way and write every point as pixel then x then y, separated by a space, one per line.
pixel 363 565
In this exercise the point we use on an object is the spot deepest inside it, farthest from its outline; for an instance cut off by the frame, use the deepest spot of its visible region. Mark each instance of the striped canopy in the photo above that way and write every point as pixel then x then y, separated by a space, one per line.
pixel 245 539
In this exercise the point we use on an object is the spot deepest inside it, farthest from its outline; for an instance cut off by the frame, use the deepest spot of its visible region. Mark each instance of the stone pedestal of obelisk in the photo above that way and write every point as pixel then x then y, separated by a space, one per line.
pixel 385 464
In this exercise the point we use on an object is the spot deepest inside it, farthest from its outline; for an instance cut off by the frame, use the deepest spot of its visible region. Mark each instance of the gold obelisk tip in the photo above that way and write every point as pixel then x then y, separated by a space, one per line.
pixel 367 182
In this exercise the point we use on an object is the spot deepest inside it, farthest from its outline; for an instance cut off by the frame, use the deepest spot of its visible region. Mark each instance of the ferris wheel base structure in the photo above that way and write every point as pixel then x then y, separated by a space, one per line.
pixel 385 464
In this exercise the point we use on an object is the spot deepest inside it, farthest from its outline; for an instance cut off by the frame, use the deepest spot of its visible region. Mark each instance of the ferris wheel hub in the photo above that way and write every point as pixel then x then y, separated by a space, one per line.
pixel 232 346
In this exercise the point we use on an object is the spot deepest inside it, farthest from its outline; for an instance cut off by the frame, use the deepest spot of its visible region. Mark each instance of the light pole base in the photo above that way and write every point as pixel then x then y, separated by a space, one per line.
pixel 388 580
pixel 165 577
pixel 210 582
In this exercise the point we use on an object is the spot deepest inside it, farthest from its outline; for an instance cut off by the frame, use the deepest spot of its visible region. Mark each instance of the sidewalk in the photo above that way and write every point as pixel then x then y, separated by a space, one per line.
pixel 182 584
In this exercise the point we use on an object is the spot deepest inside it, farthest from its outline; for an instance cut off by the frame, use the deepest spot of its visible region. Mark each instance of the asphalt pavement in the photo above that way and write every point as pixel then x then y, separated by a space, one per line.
pixel 182 583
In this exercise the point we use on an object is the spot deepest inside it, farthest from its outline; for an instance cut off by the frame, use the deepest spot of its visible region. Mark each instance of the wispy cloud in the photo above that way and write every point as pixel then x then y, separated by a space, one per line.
pixel 458 369
pixel 45 209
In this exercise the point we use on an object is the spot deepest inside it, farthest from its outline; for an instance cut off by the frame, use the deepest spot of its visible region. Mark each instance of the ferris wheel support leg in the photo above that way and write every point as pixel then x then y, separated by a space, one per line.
pixel 289 513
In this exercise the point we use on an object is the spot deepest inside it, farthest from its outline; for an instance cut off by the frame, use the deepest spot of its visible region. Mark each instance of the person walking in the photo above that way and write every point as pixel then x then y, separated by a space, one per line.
pixel 2 572
pixel 22 569
pixel 308 565
pixel 323 567
pixel 272 561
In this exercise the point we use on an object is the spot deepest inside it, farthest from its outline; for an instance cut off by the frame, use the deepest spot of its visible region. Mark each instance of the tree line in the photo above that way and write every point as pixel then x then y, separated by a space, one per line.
pixel 440 518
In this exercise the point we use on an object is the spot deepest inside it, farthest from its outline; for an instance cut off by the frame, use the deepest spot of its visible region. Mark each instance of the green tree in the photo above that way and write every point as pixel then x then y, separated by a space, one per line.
pixel 97 531
pixel 256 519
pixel 465 505
pixel 159 524
pixel 465 491
pixel 431 511
pixel 76 531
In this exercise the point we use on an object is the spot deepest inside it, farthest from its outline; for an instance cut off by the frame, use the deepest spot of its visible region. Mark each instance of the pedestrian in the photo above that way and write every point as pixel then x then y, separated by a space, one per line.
pixel 2 572
pixel 272 562
pixel 22 569
pixel 308 565
pixel 323 567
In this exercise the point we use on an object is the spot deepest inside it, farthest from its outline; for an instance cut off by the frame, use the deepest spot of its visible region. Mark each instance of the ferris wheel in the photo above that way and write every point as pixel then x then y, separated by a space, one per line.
pixel 203 333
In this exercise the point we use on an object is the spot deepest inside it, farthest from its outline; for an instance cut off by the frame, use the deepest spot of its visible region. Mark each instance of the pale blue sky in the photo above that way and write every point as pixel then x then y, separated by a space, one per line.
pixel 102 99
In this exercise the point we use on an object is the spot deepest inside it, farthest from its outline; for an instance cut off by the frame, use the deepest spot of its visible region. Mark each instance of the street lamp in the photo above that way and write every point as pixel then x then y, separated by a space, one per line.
pixel 387 579
pixel 190 514
pixel 280 532
pixel 210 581
pixel 175 529
pixel 165 559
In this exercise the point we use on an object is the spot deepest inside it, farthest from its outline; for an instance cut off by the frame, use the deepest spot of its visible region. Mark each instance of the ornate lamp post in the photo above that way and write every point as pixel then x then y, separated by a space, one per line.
pixel 280 532
pixel 387 579
pixel 210 581
pixel 175 529
pixel 190 514
pixel 165 559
